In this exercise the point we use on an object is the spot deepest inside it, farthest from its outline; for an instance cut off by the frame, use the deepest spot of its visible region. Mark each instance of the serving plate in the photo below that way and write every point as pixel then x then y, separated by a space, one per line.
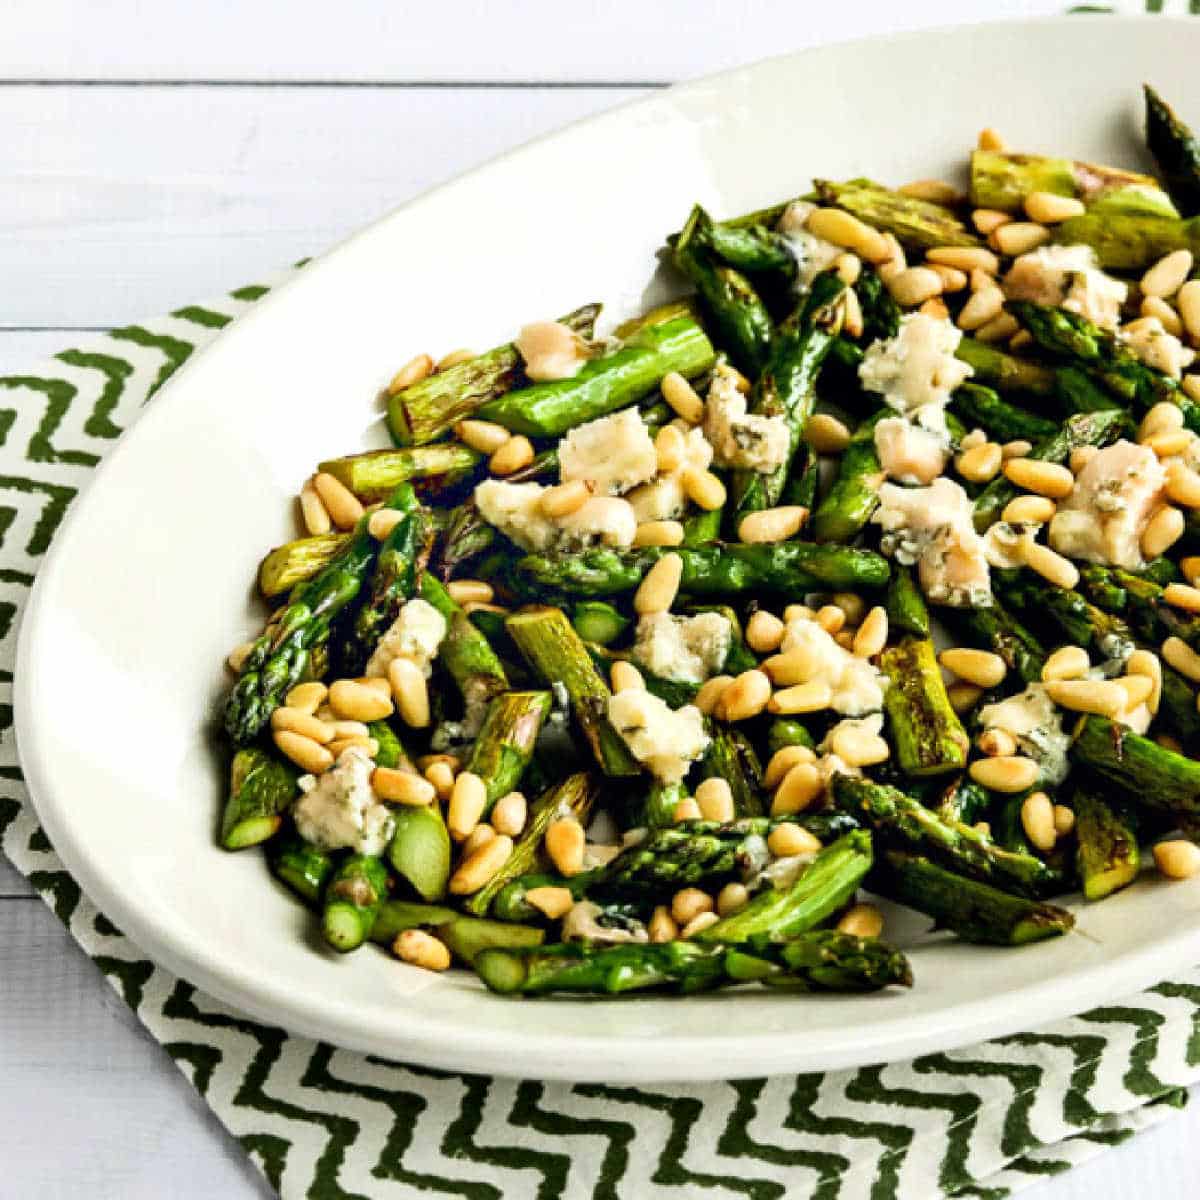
pixel 148 583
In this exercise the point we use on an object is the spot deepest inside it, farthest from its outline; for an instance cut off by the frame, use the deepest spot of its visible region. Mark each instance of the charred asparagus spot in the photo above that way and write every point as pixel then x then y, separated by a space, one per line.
pixel 927 736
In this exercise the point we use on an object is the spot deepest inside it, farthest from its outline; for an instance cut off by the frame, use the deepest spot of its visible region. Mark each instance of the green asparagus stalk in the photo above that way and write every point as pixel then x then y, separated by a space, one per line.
pixel 420 851
pixel 750 247
pixel 1075 391
pixel 995 628
pixel 964 801
pixel 787 731
pixel 847 507
pixel 604 384
pixel 1003 181
pixel 557 655
pixel 260 789
pixel 1067 614
pixel 598 622
pixel 881 314
pixel 980 406
pixel 927 736
pixel 297 562
pixel 996 368
pixel 906 609
pixel 464 537
pixel 304 868
pixel 375 474
pixel 703 527
pixel 1176 151
pixel 1129 240
pixel 391 750
pixel 430 409
pixel 352 900
pixel 917 224
pixel 1107 857
pixel 469 937
pixel 821 961
pixel 975 911
pixel 395 916
pixel 1139 600
pixel 510 903
pixel 731 757
pixel 505 743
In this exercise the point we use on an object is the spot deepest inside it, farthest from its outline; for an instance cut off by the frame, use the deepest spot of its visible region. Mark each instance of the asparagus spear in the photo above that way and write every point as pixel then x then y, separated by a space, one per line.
pixel 917 224
pixel 703 527
pixel 906 609
pixel 976 405
pixel 995 628
pixel 395 916
pixel 787 731
pixel 1129 240
pixel 927 736
pixel 1070 616
pixel 996 368
pixel 975 911
pixel 469 937
pixel 964 801
pixel 352 901
pixel 731 757
pixel 510 903
pixel 749 247
pixel 304 868
pixel 260 789
pixel 822 961
pixel 374 474
pixel 605 384
pixel 1002 180
pixel 1107 858
pixel 847 507
pixel 598 622
pixel 722 569
pixel 297 562
pixel 1139 601
pixel 420 850
pixel 429 409
pixel 881 314
pixel 505 743
pixel 1176 151
pixel 556 654
pixel 902 823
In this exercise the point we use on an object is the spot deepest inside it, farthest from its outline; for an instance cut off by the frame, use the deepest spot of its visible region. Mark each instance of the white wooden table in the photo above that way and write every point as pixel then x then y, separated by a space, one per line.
pixel 153 155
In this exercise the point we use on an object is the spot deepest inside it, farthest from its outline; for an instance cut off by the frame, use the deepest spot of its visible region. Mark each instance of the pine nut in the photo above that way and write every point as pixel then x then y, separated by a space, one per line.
pixel 479 868
pixel 1019 341
pixel 306 697
pixel 659 587
pixel 839 227
pixel 470 591
pixel 1051 565
pixel 1042 478
pixel 782 761
pixel 421 949
pixel 381 523
pixel 745 697
pixel 852 316
pixel 733 897
pixel 510 813
pixel 797 612
pixel 709 696
pixel 1068 662
pixel 313 511
pixel 1162 531
pixel 236 659
pixel 564 499
pixel 1177 859
pixel 826 434
pixel 564 843
pixel 800 787
pixel 1153 306
pixel 999 329
pixel 305 724
pixel 1163 417
pixel 369 744
pixel 340 502
pixel 410 692
pixel 845 639
pixel 303 751
pixel 1182 595
pixel 1145 662
pixel 857 748
pixel 989 139
pixel 1064 820
pixel 983 827
pixel 485 436
pixel 402 787
pixel 514 455
pixel 965 258
pixel 1037 819
pixel 697 924
pixel 1018 237
pixel 658 533
pixel 468 799
pixel 715 798
pixel 861 921
pixel 1167 275
pixel 936 191
pixel 1016 449
pixel 354 701
pixel 764 632
pixel 980 464
pixel 1188 302
pixel 411 373
pixel 686 810
pixel 703 488
pixel 661 927
pixel 1171 443
pixel 1178 654
pixel 984 306
pixel 1029 510
pixel 1183 485
pixel 441 775
pixel 670 448
pixel 477 839
pixel 1190 566
pixel 997 743
pixel 425 761
pixel 552 902
pixel 872 634
pixel 803 698
pixel 790 839
pixel 848 267
pixel 935 308
pixel 963 697
pixel 953 280
pixel 1080 457
pixel 797 666
pixel 682 397
pixel 1104 698
pixel 969 441
pixel 980 667
pixel 988 220
pixel 914 286
pixel 772 524
pixel 625 676
pixel 1137 688
pixel 349 729
pixel 1008 774
pixel 688 903
pixel 830 618
pixel 461 355
pixel 1050 209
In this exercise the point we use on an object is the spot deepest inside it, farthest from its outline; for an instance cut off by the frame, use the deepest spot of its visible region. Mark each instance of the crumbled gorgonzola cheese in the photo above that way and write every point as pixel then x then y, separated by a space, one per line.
pixel 611 455
pixel 855 684
pixel 747 441
pixel 665 741
pixel 515 510
pixel 664 499
pixel 415 634
pixel 339 809
pixel 932 527
pixel 581 924
pixel 1155 347
pixel 686 649
pixel 812 254
pixel 1034 720
pixel 1115 494
pixel 1067 277
pixel 908 452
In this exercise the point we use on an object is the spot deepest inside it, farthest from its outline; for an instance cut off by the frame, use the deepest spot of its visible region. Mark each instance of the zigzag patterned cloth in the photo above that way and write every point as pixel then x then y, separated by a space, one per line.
pixel 326 1124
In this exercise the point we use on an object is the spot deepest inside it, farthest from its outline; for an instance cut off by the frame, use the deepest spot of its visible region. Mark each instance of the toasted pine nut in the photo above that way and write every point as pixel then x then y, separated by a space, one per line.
pixel 376 684
pixel 1080 457
pixel 1178 654
pixel 1019 341
pixel 670 448
pixel 1007 774
pixel 686 810
pixel 861 921
pixel 803 698
pixel 983 307
pixel 852 316
pixel 1167 275
pixel 826 434
pixel 1041 478
pixel 369 744
pixel 470 591
pixel 965 258
pixel 872 634
pixel 997 743
pixel 963 697
pixel 682 397
pixel 411 373
pixel 661 927
pixel 715 798
pixel 745 697
pixel 782 761
pixel 1037 819
pixel 1029 510
pixel 798 612
pixel 1016 449
pixel 564 499
pixel 696 924
pixel 1051 565
pixel 461 355
pixel 441 775
pixel 1190 566
pixel 307 697
pixel 1067 662
pixel 1170 443
pixel 473 872
pixel 799 788
pixel 485 436
pixel 1177 859
pixel 1188 302
pixel 980 667
pixel 1050 209
pixel 402 787
pixel 1019 237
pixel 303 751
pixel 953 280
pixel 1138 690
pixel 987 220
pixel 381 523
pixel 914 286
pixel 656 593
pixel 421 949
pixel 312 509
pixel 703 488
pixel 845 639
pixel 658 533
pixel 565 841
pixel 710 693
pixel 733 897
pixel 298 721
pixel 830 618
pixel 354 701
pixel 688 903
pixel 935 308
pixel 1182 595
pixel 1153 306
pixel 1145 662
pixel 789 839
pixel 848 267
pixel 410 692
pixel 989 139
pixel 552 902
pixel 1162 531
pixel 797 666
pixel 1064 820
pixel 976 437
pixel 839 227
pixel 772 524
pixel 999 329
pixel 1102 697
pixel 1163 417
pixel 857 748
pixel 936 191
pixel 340 502
pixel 1183 485
pixel 980 464
pixel 515 454
pixel 510 813
pixel 468 799
pixel 764 632
pixel 626 676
